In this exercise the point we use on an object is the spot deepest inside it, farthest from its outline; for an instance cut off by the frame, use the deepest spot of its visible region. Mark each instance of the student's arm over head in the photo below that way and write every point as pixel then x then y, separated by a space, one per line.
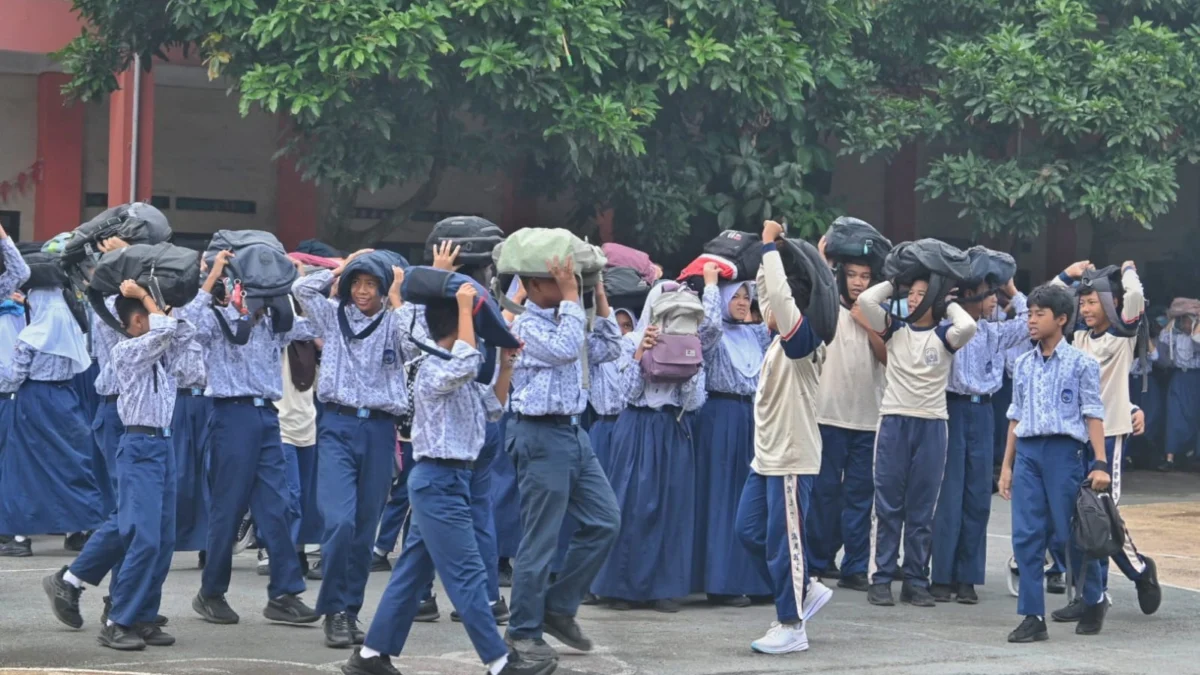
pixel 439 377
pixel 16 272
pixel 323 314
pixel 775 288
pixel 871 303
pixel 549 342
pixel 1133 305
pixel 1014 331
pixel 962 327
pixel 712 328
pixel 604 342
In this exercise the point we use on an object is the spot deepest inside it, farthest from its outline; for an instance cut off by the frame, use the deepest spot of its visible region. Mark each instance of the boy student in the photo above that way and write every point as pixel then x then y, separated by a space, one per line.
pixel 848 416
pixel 141 532
pixel 449 416
pixel 1056 410
pixel 910 446
pixel 246 462
pixel 1115 353
pixel 362 388
pixel 557 472
pixel 965 499
pixel 787 454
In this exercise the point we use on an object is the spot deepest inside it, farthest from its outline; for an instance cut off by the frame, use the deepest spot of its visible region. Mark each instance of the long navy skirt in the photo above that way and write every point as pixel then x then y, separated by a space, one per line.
pixel 189 434
pixel 506 500
pixel 8 408
pixel 47 469
pixel 85 386
pixel 652 471
pixel 724 450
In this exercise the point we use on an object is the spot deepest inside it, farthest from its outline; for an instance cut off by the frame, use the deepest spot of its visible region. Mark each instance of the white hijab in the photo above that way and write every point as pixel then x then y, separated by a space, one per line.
pixel 656 394
pixel 740 339
pixel 54 330
pixel 10 328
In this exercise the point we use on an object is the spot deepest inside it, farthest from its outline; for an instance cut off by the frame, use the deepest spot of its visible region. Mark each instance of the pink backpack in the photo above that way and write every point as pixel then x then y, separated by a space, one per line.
pixel 674 360
pixel 622 256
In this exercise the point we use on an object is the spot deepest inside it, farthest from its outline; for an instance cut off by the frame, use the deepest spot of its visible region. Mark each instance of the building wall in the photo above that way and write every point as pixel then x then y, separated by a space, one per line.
pixel 18 141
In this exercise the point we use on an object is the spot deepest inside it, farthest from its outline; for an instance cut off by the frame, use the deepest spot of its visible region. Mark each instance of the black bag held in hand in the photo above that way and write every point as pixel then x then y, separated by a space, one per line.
pixel 1096 528
pixel 742 250
pixel 813 286
pixel 170 273
pixel 854 240
pixel 475 236
pixel 937 262
pixel 136 223
pixel 263 274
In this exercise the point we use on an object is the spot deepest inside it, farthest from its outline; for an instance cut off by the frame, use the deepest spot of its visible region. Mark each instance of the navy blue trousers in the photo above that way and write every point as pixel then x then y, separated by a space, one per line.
pixel 140 534
pixel 910 456
pixel 506 500
pixel 395 512
pixel 965 501
pixel 557 474
pixel 441 537
pixel 840 512
pixel 107 430
pixel 189 435
pixel 357 456
pixel 1000 402
pixel 247 470
pixel 1047 473
pixel 762 526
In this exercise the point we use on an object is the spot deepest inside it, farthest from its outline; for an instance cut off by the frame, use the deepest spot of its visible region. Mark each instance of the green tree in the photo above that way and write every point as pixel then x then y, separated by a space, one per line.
pixel 673 113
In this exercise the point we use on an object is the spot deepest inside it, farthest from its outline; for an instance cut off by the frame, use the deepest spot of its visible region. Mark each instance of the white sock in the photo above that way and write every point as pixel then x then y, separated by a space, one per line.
pixel 498 665
pixel 368 653
pixel 72 579
pixel 493 603
pixel 380 553
pixel 20 538
pixel 108 623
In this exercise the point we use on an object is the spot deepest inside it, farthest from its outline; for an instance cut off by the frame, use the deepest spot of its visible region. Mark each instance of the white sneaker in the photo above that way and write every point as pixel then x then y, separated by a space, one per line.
pixel 781 639
pixel 264 563
pixel 819 595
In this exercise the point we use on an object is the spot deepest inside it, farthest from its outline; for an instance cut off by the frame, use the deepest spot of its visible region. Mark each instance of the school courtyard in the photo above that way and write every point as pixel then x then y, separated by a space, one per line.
pixel 848 636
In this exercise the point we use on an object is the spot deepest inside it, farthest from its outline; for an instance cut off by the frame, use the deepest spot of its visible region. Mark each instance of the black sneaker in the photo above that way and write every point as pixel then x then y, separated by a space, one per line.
pixel 1055 584
pixel 499 612
pixel 302 557
pixel 1069 614
pixel 566 630
pixel 116 636
pixel 428 612
pixel 214 609
pixel 263 568
pixel 201 559
pixel 534 649
pixel 76 541
pixel 519 666
pixel 245 535
pixel 17 549
pixel 1032 629
pixel 290 609
pixel 728 600
pixel 1148 590
pixel 64 599
pixel 376 665
pixel 917 596
pixel 966 595
pixel 315 573
pixel 666 606
pixel 159 619
pixel 831 572
pixel 337 631
pixel 379 563
pixel 880 595
pixel 940 592
pixel 504 575
pixel 1166 465
pixel 1093 618
pixel 153 635
pixel 855 582
pixel 591 599
pixel 356 634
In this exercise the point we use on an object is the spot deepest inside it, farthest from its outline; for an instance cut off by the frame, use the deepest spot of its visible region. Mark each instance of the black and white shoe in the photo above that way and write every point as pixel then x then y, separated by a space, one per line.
pixel 880 595
pixel 120 638
pixel 154 636
pixel 337 631
pixel 159 619
pixel 376 665
pixel 534 649
pixel 290 609
pixel 315 573
pixel 1092 620
pixel 505 574
pixel 1055 584
pixel 215 610
pixel 17 549
pixel 499 612
pixel 1032 629
pixel 380 563
pixel 428 612
pixel 855 582
pixel 1148 590
pixel 917 596
pixel 244 538
pixel 520 666
pixel 75 541
pixel 1069 614
pixel 357 636
pixel 64 599
pixel 566 630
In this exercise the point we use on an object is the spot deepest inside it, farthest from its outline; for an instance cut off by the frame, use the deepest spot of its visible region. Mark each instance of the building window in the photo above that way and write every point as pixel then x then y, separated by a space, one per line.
pixel 99 200
pixel 11 222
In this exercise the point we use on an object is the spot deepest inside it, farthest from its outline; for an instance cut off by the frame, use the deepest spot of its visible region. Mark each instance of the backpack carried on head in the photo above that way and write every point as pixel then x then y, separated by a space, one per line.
pixel 625 286
pixel 678 355
pixel 170 273
pixel 813 287
pixel 1106 281
pixel 996 268
pixel 476 238
pixel 853 240
pixel 378 264
pixel 620 256
pixel 937 262
pixel 260 276
pixel 136 223
pixel 45 269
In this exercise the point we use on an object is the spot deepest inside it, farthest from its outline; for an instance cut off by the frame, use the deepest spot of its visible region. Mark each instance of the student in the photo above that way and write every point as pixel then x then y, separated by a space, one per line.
pixel 557 471
pixel 910 446
pixel 448 432
pixel 724 439
pixel 1056 410
pixel 1115 354
pixel 506 499
pixel 48 482
pixel 362 388
pixel 652 472
pixel 840 512
pixel 787 455
pixel 13 275
pixel 246 462
pixel 964 501
pixel 141 532
pixel 189 436
pixel 1179 348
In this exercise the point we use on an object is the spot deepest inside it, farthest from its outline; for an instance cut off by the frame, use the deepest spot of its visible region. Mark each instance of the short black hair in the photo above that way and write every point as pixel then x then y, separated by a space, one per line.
pixel 1057 299
pixel 127 308
pixel 441 317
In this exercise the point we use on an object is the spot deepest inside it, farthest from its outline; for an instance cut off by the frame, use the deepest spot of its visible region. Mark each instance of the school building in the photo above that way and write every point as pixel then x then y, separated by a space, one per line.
pixel 173 137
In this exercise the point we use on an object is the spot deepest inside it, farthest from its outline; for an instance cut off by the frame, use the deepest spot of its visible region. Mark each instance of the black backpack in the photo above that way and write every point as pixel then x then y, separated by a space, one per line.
pixel 937 262
pixel 623 282
pixel 1096 528
pixel 264 274
pixel 813 286
pixel 851 239
pixel 742 250
pixel 136 223
pixel 46 271
pixel 476 237
pixel 996 268
pixel 170 273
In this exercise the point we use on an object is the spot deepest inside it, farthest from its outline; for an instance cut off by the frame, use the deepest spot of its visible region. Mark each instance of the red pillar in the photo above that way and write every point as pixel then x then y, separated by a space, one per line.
pixel 58 202
pixel 121 135
pixel 900 196
pixel 1060 245
pixel 296 204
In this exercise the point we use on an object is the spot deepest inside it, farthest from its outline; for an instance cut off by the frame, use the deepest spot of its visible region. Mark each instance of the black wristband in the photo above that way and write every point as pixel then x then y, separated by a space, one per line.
pixel 1099 465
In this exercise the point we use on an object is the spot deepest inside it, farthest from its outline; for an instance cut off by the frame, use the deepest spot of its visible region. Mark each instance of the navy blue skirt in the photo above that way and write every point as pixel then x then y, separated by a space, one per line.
pixel 47 469
pixel 8 408
pixel 724 450
pixel 652 471
pixel 189 433
pixel 506 500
